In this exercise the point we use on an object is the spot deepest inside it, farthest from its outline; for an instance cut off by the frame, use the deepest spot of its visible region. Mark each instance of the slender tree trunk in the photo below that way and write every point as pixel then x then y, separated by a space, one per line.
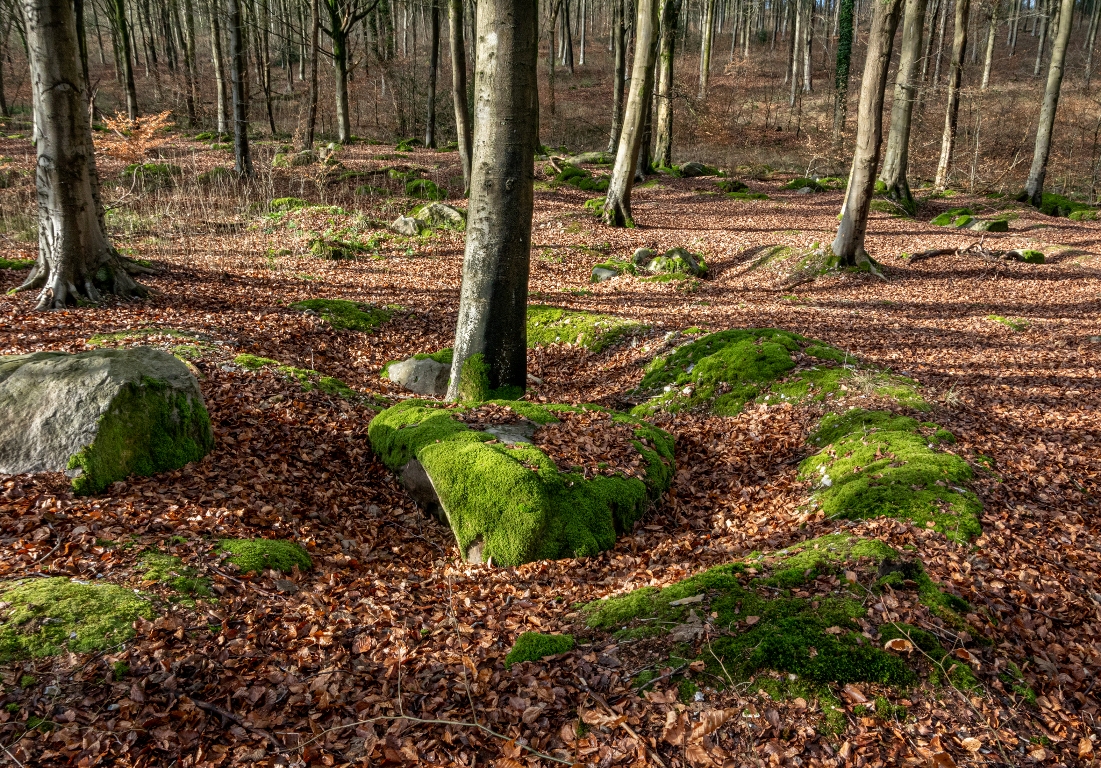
pixel 841 72
pixel 458 88
pixel 75 261
pixel 315 46
pixel 619 54
pixel 645 165
pixel 808 35
pixel 848 245
pixel 552 54
pixel 188 24
pixel 955 77
pixel 797 35
pixel 1041 37
pixel 933 19
pixel 219 66
pixel 1091 37
pixel 706 35
pixel 940 42
pixel 490 350
pixel 669 14
pixel 123 31
pixel 989 58
pixel 617 206
pixel 433 71
pixel 1034 189
pixel 567 38
pixel 340 67
pixel 239 80
pixel 584 11
pixel 897 157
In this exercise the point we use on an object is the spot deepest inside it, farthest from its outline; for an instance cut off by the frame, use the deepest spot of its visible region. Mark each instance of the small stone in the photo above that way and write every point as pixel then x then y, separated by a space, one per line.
pixel 51 690
pixel 805 191
pixel 406 225
pixel 642 257
pixel 423 377
pixel 600 274
pixel 286 585
pixel 997 225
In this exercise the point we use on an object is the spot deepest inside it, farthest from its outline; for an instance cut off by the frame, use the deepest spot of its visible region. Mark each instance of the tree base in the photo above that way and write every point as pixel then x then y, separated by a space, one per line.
pixel 112 275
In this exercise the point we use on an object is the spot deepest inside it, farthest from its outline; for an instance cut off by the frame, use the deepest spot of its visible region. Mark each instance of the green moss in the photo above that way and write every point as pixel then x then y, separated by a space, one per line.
pixel 474 380
pixel 512 498
pixel 105 339
pixel 425 189
pixel 258 555
pixel 50 616
pixel 308 378
pixel 532 646
pixel 595 206
pixel 146 431
pixel 592 331
pixel 346 315
pixel 16 263
pixel 253 362
pixel 891 208
pixel 731 185
pixel 803 181
pixel 334 250
pixel 949 218
pixel 883 466
pixel 1012 324
pixel 170 570
pixel 152 174
pixel 1082 215
pixel 618 266
pixel 1032 257
pixel 443 356
pixel 1057 205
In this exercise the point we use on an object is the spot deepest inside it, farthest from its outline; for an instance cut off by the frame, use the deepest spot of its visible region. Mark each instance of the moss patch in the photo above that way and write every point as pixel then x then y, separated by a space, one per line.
pixel 342 314
pixel 168 569
pixel 957 217
pixel 308 378
pixel 874 464
pixel 581 179
pixel 258 555
pixel 106 339
pixel 594 332
pixel 511 498
pixel 152 174
pixel 532 646
pixel 50 616
pixel 803 181
pixel 425 189
pixel 16 263
pixel 1013 324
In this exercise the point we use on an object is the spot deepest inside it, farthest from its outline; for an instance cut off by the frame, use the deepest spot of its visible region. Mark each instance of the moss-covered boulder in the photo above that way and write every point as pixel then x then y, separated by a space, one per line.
pixel 425 189
pixel 802 182
pixel 1027 255
pixel 259 555
pixel 44 617
pixel 721 372
pixel 533 646
pixel 748 620
pixel 509 501
pixel 581 179
pixel 440 216
pixel 342 314
pixel 100 416
pixel 693 169
pixel 675 261
pixel 874 463
pixel 957 217
pixel 590 330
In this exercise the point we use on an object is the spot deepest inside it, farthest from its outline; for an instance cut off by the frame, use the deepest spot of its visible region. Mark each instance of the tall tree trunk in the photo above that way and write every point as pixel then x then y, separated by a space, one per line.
pixel 219 66
pixel 1091 37
pixel 955 77
pixel 940 42
pixel 808 35
pixel 552 54
pixel 897 157
pixel 567 38
pixel 619 54
pixel 433 72
pixel 848 245
pixel 188 23
pixel 645 165
pixel 1034 189
pixel 990 36
pixel 933 19
pixel 239 80
pixel 458 88
pixel 617 206
pixel 315 49
pixel 490 350
pixel 123 31
pixel 841 72
pixel 583 9
pixel 75 261
pixel 340 68
pixel 670 12
pixel 1041 38
pixel 796 38
pixel 706 38
pixel 261 19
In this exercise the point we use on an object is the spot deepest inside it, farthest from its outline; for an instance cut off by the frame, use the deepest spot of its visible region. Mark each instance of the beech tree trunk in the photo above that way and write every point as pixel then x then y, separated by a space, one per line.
pixel 1034 189
pixel 841 71
pixel 433 71
pixel 706 35
pixel 1041 37
pixel 490 350
pixel 617 206
pixel 989 58
pixel 669 14
pixel 897 157
pixel 1091 37
pixel 239 80
pixel 458 87
pixel 955 77
pixel 220 94
pixel 75 261
pixel 619 54
pixel 848 245
pixel 315 45
pixel 122 28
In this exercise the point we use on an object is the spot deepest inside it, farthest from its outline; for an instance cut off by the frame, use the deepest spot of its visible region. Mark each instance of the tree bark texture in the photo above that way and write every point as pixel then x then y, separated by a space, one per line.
pixel 848 245
pixel 315 45
pixel 706 38
pixel 433 72
pixel 988 59
pixel 896 158
pixel 458 88
pixel 955 77
pixel 841 70
pixel 669 14
pixel 617 206
pixel 239 86
pixel 122 27
pixel 219 66
pixel 1035 186
pixel 491 333
pixel 75 261
pixel 619 55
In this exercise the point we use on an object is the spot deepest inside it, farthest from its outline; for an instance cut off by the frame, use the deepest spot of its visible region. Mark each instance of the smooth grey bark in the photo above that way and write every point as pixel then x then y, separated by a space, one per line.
pixel 933 18
pixel 491 333
pixel 1041 37
pixel 896 159
pixel 458 87
pixel 617 205
pixel 808 38
pixel 990 36
pixel 848 245
pixel 312 98
pixel 239 86
pixel 583 9
pixel 619 70
pixel 122 28
pixel 669 15
pixel 75 261
pixel 940 42
pixel 433 72
pixel 220 94
pixel 706 38
pixel 187 22
pixel 1034 189
pixel 955 77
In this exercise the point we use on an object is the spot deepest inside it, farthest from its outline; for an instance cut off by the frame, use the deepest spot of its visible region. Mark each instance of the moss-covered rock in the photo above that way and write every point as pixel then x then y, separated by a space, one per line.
pixel 342 314
pixel 258 555
pixel 957 217
pixel 731 185
pixel 508 501
pixel 101 416
pixel 677 261
pixel 308 378
pixel 874 464
pixel 45 617
pixel 425 189
pixel 217 175
pixel 1057 205
pixel 170 570
pixel 581 179
pixel 1027 255
pixel 592 331
pixel 721 372
pixel 332 249
pixel 803 182
pixel 440 216
pixel 533 646
pixel 288 204
pixel 152 175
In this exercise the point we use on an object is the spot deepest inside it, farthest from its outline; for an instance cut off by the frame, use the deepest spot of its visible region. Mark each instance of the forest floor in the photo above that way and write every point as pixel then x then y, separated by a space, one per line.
pixel 332 665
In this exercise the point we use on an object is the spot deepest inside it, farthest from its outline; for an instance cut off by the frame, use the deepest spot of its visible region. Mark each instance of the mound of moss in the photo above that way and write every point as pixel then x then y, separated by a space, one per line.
pixel 258 555
pixel 16 263
pixel 170 570
pixel 1058 205
pixel 288 204
pixel 876 464
pixel 1013 324
pixel 308 378
pixel 342 314
pixel 334 250
pixel 425 189
pixel 509 502
pixel 957 217
pixel 532 646
pixel 721 372
pixel 764 628
pixel 144 334
pixel 731 185
pixel 581 179
pixel 803 182
pixel 217 174
pixel 593 331
pixel 45 617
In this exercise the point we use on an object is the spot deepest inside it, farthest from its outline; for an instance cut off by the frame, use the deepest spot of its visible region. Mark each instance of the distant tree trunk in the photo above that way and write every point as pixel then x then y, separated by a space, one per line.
pixel 796 36
pixel 433 71
pixel 848 245
pixel 940 42
pixel 669 14
pixel 990 36
pixel 706 38
pixel 315 45
pixel 645 165
pixel 1034 189
pixel 841 72
pixel 808 35
pixel 188 25
pixel 897 157
pixel 552 54
pixel 491 333
pixel 81 38
pixel 76 261
pixel 619 54
pixel 122 28
pixel 617 206
pixel 239 80
pixel 1041 38
pixel 583 9
pixel 219 66
pixel 955 77
pixel 1091 38
pixel 339 26
pixel 261 19
pixel 567 38
pixel 933 19
pixel 458 87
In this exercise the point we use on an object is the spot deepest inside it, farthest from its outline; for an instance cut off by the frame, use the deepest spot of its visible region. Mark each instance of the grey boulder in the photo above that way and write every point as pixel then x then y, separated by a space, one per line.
pixel 422 377
pixel 406 225
pixel 441 215
pixel 600 274
pixel 100 416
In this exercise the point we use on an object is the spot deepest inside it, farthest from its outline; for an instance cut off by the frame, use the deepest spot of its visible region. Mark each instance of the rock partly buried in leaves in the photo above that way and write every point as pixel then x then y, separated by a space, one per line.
pixel 100 416
pixel 504 498
pixel 406 225
pixel 692 169
pixel 675 261
pixel 440 215
pixel 994 225
pixel 421 375
pixel 601 274
pixel 1026 255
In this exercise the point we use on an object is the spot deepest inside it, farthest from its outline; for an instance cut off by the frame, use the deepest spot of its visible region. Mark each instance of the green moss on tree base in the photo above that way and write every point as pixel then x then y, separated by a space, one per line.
pixel 511 499
pixel 258 555
pixel 346 315
pixel 50 616
pixel 533 646
pixel 592 331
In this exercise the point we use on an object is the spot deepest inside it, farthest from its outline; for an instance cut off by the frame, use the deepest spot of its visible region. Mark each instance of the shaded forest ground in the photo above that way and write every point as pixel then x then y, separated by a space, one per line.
pixel 313 668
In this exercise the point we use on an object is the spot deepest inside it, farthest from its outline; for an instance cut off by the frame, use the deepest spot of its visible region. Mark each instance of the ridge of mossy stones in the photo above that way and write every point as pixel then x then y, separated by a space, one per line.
pixel 590 330
pixel 533 646
pixel 342 314
pixel 258 555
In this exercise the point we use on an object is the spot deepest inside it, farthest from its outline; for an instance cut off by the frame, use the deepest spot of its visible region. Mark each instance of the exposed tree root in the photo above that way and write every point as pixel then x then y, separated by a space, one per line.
pixel 111 276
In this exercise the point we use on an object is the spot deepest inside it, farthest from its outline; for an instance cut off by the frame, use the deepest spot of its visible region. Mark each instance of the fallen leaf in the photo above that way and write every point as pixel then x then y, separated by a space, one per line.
pixel 971 744
pixel 900 644
pixel 688 600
